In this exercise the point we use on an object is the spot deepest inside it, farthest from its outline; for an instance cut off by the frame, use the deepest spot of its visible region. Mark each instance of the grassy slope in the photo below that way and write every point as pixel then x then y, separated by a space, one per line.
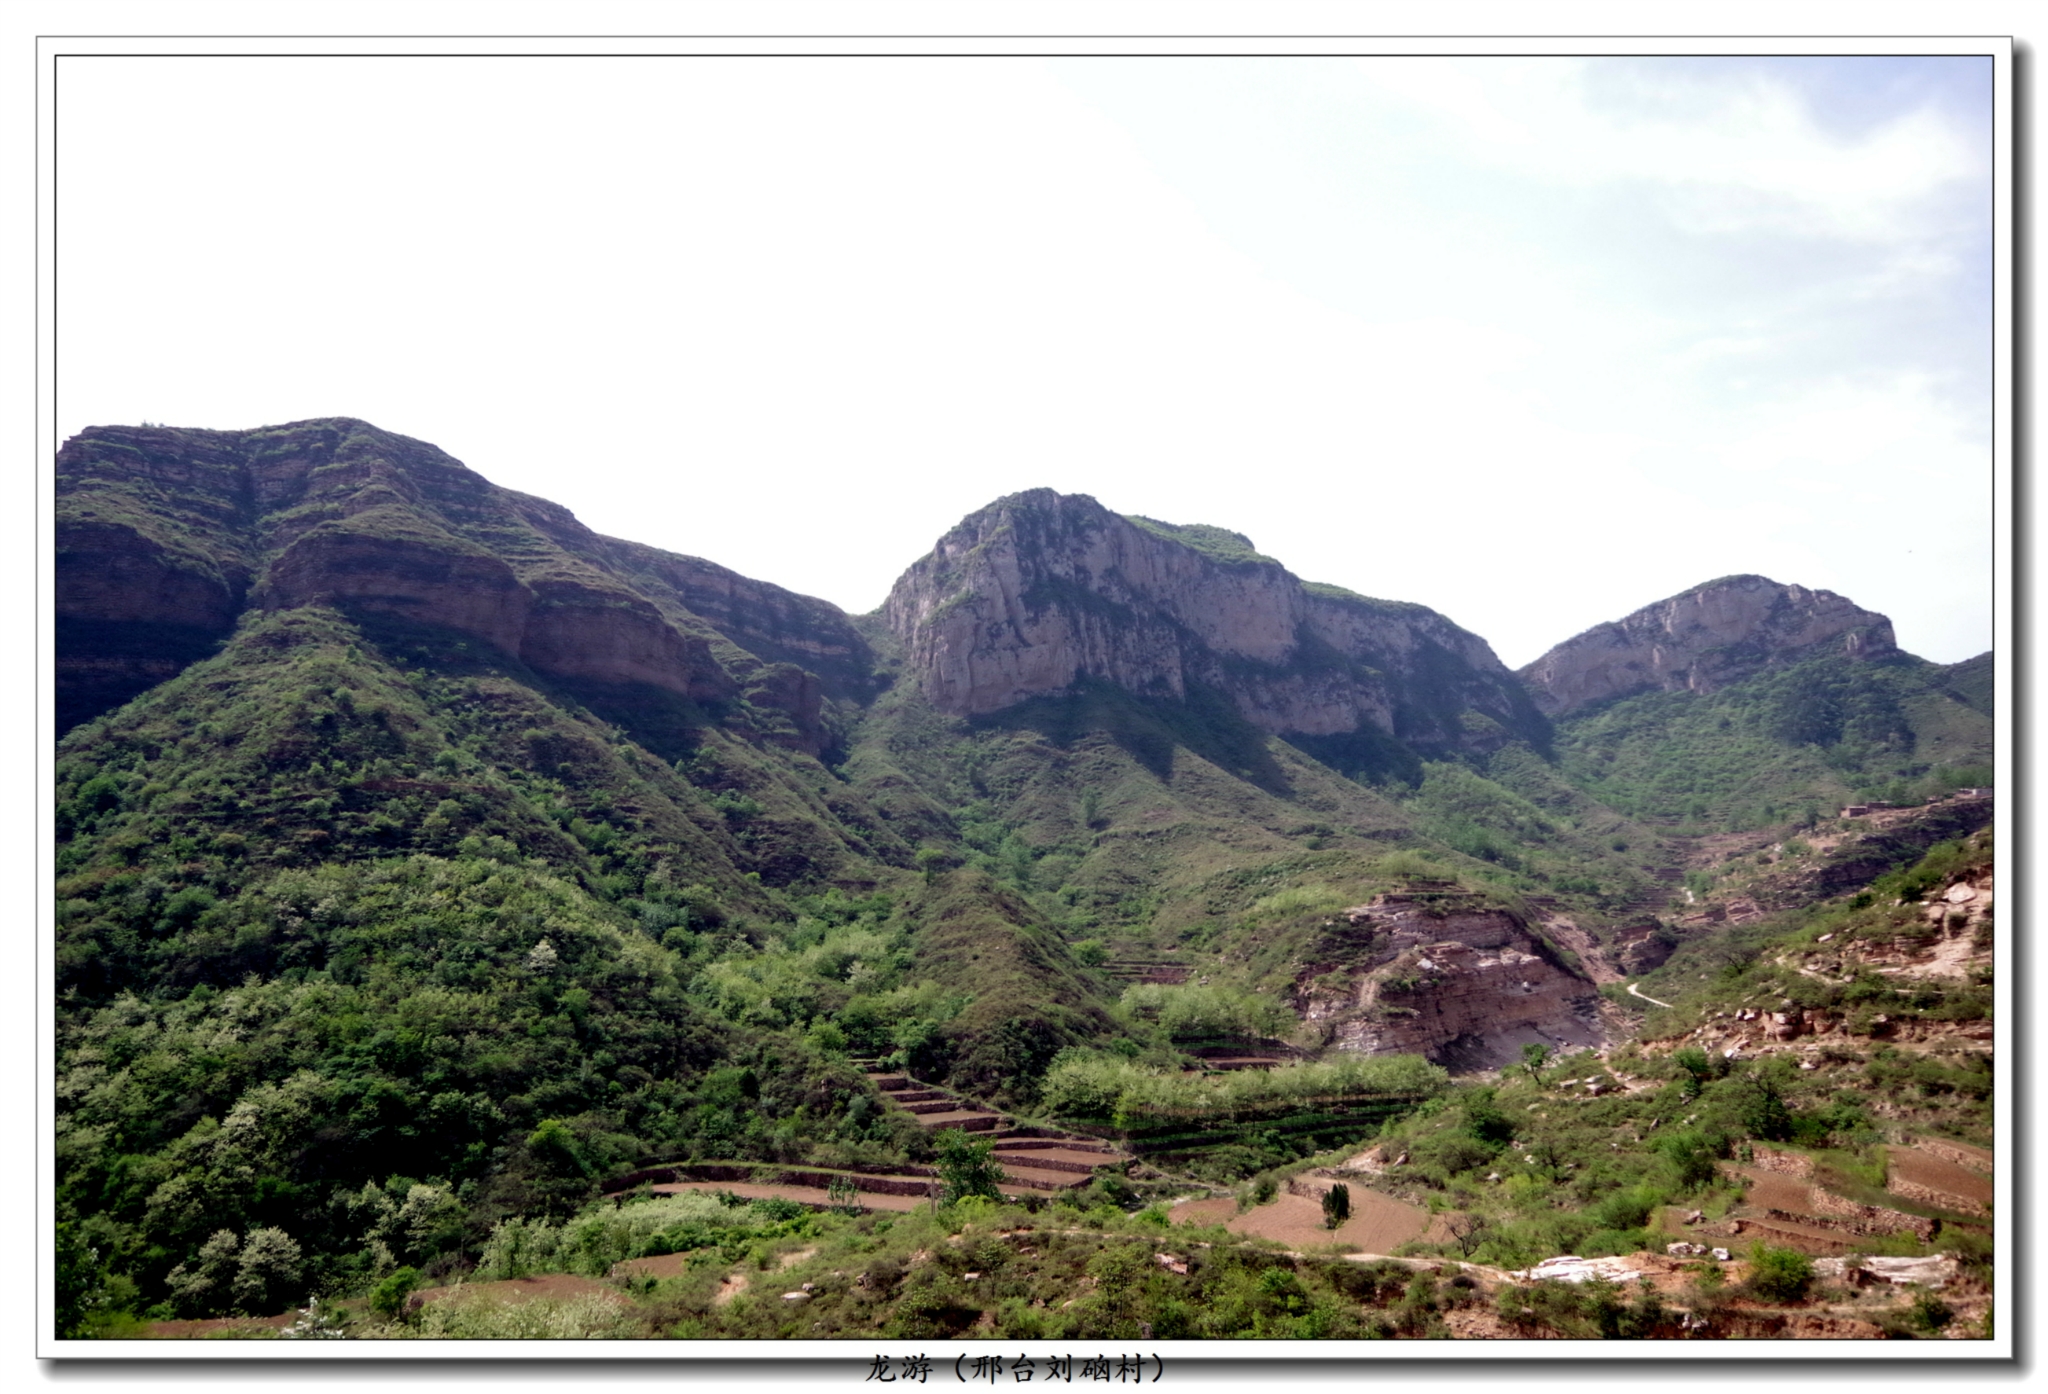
pixel 1781 746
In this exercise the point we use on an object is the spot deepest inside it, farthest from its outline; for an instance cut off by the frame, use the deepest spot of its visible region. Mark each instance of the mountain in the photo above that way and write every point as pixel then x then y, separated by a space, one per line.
pixel 1704 639
pixel 1041 590
pixel 1743 702
pixel 419 847
pixel 166 537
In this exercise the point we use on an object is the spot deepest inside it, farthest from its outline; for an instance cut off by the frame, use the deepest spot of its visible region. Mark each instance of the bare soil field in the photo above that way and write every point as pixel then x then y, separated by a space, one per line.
pixel 1770 1190
pixel 1913 1174
pixel 1378 1224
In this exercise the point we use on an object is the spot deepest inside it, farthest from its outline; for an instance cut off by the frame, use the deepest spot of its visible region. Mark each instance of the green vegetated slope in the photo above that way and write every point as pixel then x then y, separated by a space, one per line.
pixel 1787 745
pixel 382 927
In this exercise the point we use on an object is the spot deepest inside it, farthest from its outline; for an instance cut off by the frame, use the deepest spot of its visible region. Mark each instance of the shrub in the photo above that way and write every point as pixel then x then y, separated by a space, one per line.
pixel 1930 1313
pixel 1779 1275
pixel 1336 1205
pixel 387 1299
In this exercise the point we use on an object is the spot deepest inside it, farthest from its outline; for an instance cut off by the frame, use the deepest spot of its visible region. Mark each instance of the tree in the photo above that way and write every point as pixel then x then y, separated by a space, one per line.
pixel 1533 1056
pixel 267 1277
pixel 81 1280
pixel 1468 1232
pixel 1336 1205
pixel 968 1166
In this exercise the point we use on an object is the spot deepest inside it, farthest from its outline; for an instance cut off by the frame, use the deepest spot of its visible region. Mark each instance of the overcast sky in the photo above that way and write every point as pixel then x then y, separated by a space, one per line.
pixel 1535 342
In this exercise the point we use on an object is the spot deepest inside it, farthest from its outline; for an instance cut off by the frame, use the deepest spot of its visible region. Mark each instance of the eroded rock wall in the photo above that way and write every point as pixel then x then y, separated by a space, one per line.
pixel 1466 985
pixel 1040 590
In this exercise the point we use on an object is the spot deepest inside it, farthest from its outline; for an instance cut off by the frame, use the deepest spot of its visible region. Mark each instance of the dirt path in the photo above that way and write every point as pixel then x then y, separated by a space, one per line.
pixel 1646 997
pixel 808 1195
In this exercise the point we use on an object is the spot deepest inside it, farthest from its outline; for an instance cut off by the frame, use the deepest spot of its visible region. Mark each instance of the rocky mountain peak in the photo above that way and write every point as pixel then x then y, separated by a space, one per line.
pixel 1702 639
pixel 1041 590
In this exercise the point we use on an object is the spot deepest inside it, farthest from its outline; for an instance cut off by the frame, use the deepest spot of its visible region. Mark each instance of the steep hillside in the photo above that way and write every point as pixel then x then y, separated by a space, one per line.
pixel 1040 590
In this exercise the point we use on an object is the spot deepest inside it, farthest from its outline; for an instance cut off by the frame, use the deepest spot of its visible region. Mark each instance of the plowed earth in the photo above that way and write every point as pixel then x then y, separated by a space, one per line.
pixel 1912 1165
pixel 1378 1224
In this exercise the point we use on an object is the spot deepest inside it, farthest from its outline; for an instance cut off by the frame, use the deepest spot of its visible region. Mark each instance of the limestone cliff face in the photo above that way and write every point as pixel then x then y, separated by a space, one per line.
pixel 1708 637
pixel 1438 975
pixel 1041 590
pixel 164 536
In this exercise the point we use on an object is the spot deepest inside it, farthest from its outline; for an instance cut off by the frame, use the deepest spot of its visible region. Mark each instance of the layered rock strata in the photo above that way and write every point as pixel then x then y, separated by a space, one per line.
pixel 1704 639
pixel 1443 976
pixel 165 536
pixel 1040 590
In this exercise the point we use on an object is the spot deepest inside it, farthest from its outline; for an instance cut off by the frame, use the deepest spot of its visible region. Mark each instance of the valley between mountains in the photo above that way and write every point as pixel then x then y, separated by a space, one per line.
pixel 469 925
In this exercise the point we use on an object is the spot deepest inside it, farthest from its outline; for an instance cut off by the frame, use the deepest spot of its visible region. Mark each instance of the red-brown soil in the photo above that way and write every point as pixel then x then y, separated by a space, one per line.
pixel 1378 1224
pixel 216 1326
pixel 1771 1191
pixel 1911 1168
pixel 661 1266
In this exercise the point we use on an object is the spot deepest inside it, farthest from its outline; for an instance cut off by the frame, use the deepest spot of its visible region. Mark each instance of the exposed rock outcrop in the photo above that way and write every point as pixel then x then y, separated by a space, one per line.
pixel 1041 590
pixel 165 535
pixel 1704 639
pixel 438 580
pixel 1443 976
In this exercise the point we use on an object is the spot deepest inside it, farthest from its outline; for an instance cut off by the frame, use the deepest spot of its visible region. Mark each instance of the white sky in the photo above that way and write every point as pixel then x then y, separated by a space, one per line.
pixel 1532 341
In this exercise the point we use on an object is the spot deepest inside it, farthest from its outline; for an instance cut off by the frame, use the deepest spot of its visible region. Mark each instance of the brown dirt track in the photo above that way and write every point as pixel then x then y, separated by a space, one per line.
pixel 809 1195
pixel 1378 1224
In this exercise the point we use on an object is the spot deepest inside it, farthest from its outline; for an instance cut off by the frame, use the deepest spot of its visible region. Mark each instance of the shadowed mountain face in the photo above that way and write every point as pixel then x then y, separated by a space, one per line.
pixel 165 537
pixel 1704 639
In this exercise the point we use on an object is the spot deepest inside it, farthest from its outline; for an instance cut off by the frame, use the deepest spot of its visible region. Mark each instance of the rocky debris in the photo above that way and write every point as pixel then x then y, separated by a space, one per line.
pixel 1686 1249
pixel 1170 1263
pixel 1900 835
pixel 1570 1268
pixel 1445 976
pixel 1040 590
pixel 1935 1271
pixel 1704 639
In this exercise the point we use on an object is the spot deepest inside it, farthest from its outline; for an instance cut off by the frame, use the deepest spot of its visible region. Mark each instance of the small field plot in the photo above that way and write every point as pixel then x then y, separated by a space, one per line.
pixel 1377 1225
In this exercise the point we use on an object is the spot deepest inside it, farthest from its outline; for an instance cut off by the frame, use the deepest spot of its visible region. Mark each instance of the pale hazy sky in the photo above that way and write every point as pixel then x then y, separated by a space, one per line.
pixel 1531 341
